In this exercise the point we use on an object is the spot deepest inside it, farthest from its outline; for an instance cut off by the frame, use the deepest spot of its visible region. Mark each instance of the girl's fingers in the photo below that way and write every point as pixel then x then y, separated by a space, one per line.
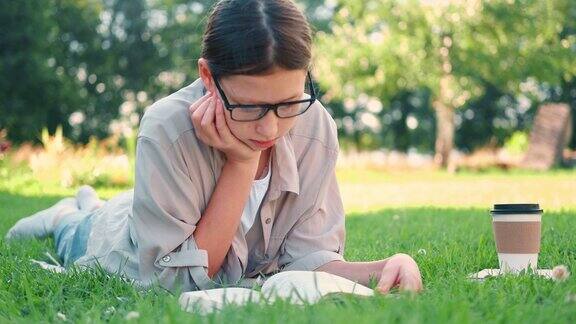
pixel 197 111
pixel 196 117
pixel 221 125
pixel 387 279
pixel 207 122
pixel 198 102
pixel 409 284
pixel 208 117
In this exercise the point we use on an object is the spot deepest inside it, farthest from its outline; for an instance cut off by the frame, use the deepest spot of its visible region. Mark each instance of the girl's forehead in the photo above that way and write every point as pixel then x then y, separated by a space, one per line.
pixel 279 86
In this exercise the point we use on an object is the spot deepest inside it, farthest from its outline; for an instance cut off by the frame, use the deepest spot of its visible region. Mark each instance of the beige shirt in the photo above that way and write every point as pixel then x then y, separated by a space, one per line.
pixel 146 234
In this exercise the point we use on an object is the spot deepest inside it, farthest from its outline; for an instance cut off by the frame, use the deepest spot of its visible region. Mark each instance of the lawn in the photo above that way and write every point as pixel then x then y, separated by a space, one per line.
pixel 449 238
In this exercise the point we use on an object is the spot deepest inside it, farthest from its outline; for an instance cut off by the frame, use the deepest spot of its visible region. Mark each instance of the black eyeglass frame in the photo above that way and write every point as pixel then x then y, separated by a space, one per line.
pixel 269 107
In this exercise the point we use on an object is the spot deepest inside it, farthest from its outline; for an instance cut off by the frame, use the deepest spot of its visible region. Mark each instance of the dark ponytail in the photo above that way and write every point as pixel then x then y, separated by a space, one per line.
pixel 253 36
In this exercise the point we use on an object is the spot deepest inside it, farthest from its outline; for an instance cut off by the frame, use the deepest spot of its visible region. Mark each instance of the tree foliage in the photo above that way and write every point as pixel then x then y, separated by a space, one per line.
pixel 454 49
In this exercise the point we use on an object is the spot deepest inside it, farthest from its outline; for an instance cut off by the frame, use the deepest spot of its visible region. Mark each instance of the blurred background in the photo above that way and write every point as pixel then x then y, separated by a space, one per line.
pixel 436 101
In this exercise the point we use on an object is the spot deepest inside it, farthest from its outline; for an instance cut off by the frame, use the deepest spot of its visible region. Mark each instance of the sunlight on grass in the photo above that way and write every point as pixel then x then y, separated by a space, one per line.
pixel 365 190
pixel 368 190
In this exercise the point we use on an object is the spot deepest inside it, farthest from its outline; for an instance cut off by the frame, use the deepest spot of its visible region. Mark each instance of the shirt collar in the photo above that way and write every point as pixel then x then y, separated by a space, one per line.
pixel 284 168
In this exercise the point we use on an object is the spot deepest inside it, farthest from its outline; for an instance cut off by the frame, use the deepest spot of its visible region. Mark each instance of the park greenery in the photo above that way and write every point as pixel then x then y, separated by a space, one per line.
pixel 401 75
pixel 408 76
pixel 453 49
pixel 450 237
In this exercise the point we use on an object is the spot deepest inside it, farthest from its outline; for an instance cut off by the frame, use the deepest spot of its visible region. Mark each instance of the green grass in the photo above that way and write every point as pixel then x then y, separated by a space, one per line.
pixel 457 241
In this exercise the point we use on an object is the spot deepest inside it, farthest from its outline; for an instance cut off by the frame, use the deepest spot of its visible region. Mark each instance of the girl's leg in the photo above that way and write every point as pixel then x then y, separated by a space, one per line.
pixel 71 236
pixel 69 220
pixel 88 198
pixel 42 223
pixel 71 233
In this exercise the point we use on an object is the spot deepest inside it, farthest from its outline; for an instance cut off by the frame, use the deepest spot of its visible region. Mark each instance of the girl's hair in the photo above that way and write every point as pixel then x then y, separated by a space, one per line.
pixel 253 36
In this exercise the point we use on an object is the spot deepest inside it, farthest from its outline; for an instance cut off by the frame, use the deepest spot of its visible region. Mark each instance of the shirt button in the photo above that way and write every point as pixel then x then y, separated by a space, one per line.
pixel 268 220
pixel 166 258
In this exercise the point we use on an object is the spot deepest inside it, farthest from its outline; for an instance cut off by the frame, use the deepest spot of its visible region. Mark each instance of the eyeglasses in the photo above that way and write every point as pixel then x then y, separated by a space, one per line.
pixel 252 112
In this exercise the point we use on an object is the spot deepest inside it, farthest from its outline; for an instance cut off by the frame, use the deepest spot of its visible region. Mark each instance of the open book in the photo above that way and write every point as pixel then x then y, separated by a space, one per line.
pixel 298 287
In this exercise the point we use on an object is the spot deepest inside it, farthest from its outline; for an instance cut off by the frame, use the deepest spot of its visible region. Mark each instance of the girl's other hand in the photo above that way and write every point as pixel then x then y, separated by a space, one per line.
pixel 207 115
pixel 400 271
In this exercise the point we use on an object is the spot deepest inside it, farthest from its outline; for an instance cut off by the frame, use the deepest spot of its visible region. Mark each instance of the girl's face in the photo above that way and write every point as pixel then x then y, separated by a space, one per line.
pixel 278 86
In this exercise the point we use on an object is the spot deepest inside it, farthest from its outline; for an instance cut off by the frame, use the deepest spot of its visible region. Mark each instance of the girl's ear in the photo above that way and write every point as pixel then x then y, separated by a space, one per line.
pixel 206 75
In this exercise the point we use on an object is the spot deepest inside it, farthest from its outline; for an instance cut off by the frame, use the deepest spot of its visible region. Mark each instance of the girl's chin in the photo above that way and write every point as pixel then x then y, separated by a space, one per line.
pixel 252 145
pixel 261 149
pixel 256 146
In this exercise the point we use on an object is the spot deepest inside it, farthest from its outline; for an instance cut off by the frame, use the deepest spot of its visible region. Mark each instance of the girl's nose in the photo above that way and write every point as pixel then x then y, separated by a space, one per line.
pixel 267 126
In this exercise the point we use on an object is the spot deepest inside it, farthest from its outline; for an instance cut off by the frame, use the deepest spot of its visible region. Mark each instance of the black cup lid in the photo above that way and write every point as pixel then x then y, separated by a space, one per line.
pixel 516 209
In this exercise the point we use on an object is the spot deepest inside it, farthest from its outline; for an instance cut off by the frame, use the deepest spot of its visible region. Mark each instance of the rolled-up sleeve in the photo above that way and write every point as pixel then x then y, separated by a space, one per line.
pixel 165 212
pixel 318 237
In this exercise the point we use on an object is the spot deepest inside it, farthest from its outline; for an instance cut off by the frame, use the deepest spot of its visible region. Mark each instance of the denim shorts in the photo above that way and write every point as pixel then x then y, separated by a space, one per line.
pixel 71 236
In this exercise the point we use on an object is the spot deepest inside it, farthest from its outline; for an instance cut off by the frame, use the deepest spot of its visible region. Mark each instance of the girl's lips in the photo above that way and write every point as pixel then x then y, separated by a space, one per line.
pixel 264 144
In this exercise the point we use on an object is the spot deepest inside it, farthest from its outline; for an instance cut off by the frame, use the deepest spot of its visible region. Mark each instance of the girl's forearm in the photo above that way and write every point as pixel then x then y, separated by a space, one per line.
pixel 217 226
pixel 359 272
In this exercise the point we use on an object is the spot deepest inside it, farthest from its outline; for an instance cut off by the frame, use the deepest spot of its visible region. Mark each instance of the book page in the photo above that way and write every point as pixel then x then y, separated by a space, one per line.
pixel 207 301
pixel 310 286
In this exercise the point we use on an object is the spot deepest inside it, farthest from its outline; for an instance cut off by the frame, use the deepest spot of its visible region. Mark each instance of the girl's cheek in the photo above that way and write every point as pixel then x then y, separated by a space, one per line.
pixel 231 123
pixel 237 128
pixel 288 124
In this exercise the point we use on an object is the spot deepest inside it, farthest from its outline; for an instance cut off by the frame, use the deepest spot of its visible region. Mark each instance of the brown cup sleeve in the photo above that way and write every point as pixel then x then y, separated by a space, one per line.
pixel 517 237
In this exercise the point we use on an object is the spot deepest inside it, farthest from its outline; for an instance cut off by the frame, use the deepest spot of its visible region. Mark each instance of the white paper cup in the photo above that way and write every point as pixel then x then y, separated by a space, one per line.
pixel 517 232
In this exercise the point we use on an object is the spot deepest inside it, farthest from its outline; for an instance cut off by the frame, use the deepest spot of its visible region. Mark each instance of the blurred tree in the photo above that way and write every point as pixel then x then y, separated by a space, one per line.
pixel 34 90
pixel 92 66
pixel 567 91
pixel 65 62
pixel 453 48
